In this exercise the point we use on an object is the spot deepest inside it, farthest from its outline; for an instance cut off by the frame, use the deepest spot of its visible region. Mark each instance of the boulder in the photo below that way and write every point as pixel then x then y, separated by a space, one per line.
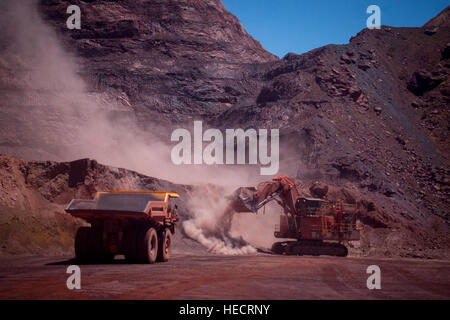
pixel 318 189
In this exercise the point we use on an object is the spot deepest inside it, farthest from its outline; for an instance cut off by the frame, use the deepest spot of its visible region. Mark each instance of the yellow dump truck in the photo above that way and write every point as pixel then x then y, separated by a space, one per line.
pixel 138 225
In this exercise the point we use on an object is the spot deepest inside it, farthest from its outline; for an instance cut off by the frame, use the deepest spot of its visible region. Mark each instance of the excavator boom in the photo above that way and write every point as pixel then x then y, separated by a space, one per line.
pixel 251 199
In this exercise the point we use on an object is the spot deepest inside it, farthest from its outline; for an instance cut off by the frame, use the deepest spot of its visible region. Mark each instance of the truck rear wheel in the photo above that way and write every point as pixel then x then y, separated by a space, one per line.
pixel 147 245
pixel 165 242
pixel 129 244
pixel 96 251
pixel 94 245
pixel 81 244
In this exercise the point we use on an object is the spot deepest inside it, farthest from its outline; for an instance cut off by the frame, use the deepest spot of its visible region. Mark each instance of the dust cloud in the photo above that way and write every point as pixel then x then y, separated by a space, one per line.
pixel 258 230
pixel 212 221
pixel 221 230
pixel 60 119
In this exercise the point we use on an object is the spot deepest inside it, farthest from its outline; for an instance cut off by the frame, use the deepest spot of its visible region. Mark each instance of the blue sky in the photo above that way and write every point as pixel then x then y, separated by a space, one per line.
pixel 298 26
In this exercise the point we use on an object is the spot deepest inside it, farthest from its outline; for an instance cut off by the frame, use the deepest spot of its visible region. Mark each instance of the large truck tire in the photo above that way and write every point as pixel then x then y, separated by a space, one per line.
pixel 81 244
pixel 129 245
pixel 102 253
pixel 147 245
pixel 165 242
pixel 96 251
pixel 93 246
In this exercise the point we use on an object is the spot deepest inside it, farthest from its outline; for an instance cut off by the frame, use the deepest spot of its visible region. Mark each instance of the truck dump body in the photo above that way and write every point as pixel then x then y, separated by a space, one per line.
pixel 120 204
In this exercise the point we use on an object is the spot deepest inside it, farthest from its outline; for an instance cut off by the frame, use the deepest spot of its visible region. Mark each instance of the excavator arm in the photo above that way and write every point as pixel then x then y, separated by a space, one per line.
pixel 281 189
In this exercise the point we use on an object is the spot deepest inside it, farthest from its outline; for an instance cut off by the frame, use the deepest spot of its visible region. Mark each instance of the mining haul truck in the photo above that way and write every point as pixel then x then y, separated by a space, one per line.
pixel 318 226
pixel 138 225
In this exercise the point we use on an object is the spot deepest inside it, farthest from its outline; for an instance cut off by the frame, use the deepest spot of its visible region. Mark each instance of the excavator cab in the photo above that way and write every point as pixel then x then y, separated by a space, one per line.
pixel 309 206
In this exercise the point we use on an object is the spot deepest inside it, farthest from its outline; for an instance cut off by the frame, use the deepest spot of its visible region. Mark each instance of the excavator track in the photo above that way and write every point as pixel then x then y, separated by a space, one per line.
pixel 310 248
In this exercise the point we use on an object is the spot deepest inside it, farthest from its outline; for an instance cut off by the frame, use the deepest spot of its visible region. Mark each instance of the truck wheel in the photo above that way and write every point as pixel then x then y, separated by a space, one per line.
pixel 129 244
pixel 165 240
pixel 147 245
pixel 81 244
pixel 102 253
pixel 95 245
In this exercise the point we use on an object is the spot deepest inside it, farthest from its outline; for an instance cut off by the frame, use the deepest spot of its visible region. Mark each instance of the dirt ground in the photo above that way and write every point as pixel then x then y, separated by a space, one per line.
pixel 222 277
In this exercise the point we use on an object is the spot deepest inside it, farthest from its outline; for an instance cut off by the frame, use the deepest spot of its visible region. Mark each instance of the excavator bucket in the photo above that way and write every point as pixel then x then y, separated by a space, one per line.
pixel 243 200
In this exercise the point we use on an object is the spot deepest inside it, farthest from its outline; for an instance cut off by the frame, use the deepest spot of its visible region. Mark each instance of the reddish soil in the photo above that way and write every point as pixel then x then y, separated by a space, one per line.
pixel 220 277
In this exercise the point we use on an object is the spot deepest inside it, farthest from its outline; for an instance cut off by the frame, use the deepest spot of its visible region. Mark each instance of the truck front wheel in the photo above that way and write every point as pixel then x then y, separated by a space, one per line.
pixel 164 246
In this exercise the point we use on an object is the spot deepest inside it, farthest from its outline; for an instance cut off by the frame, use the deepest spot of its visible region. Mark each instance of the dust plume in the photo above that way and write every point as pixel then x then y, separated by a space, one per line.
pixel 258 230
pixel 211 222
pixel 221 230
pixel 48 112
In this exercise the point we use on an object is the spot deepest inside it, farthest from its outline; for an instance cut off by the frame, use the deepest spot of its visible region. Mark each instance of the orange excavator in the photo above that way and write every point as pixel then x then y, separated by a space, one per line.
pixel 318 226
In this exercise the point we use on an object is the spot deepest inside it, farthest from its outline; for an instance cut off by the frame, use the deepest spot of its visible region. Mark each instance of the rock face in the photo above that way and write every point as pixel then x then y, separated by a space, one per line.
pixel 182 59
pixel 372 115
pixel 318 190
pixel 151 62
